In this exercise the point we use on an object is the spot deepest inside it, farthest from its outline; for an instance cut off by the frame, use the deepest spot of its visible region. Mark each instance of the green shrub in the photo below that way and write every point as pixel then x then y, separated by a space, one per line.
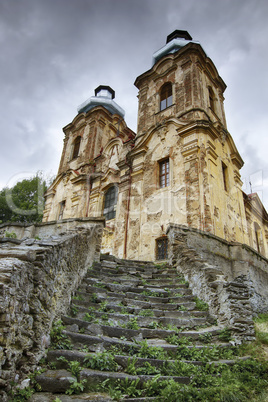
pixel 76 387
pixel 11 235
pixel 58 339
pixel 103 361
pixel 200 304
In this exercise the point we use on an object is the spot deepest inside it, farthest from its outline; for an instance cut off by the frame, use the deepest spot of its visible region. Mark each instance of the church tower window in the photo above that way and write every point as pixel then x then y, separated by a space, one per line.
pixel 164 173
pixel 76 147
pixel 166 96
pixel 110 202
pixel 225 176
pixel 211 99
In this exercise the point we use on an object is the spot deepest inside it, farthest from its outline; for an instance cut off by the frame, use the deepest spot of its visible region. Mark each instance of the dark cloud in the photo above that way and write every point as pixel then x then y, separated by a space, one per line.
pixel 55 52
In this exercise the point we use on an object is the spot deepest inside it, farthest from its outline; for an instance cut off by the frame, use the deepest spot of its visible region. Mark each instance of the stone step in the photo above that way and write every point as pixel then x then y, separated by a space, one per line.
pixel 90 396
pixel 151 310
pixel 140 288
pixel 94 377
pixel 119 304
pixel 129 334
pixel 99 343
pixel 134 309
pixel 161 282
pixel 107 257
pixel 85 295
pixel 59 381
pixel 55 380
pixel 180 320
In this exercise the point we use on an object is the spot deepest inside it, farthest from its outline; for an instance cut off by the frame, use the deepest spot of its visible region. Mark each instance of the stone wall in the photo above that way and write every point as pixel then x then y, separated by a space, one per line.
pixel 47 229
pixel 231 277
pixel 37 280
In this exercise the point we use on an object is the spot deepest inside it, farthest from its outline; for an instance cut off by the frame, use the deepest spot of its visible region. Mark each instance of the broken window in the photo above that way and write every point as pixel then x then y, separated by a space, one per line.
pixel 257 236
pixel 162 248
pixel 61 210
pixel 166 96
pixel 110 202
pixel 164 173
pixel 211 99
pixel 76 147
pixel 224 177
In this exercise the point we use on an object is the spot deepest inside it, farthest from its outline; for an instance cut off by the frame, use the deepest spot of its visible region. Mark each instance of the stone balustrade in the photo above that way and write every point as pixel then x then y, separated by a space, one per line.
pixel 37 279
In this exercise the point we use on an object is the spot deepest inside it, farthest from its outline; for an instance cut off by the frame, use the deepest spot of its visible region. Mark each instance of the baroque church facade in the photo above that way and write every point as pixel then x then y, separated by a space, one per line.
pixel 182 165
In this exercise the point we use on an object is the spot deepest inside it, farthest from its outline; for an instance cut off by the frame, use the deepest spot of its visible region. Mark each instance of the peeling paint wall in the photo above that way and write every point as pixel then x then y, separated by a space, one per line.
pixel 205 187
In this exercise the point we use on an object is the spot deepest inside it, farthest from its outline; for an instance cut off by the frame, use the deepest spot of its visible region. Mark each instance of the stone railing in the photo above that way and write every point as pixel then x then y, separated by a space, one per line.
pixel 37 280
pixel 232 278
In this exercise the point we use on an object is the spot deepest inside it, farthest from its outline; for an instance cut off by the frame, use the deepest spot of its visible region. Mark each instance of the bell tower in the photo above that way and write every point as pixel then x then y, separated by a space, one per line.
pixel 181 113
pixel 183 83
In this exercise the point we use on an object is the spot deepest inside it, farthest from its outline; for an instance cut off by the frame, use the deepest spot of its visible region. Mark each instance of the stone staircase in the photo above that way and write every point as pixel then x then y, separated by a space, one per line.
pixel 134 330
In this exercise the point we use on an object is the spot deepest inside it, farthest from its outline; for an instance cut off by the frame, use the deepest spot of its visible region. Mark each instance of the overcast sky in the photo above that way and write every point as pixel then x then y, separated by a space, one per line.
pixel 54 53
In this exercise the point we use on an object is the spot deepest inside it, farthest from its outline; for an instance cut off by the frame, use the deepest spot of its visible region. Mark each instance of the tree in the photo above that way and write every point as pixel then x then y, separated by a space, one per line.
pixel 24 202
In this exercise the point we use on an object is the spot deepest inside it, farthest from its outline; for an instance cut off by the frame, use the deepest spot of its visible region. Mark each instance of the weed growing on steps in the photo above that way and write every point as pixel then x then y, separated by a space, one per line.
pixel 241 382
pixel 152 293
pixel 146 313
pixel 124 311
pixel 150 352
pixel 78 297
pixel 103 307
pixel 148 369
pixel 94 298
pixel 200 304
pixel 101 361
pixel 20 395
pixel 74 366
pixel 182 308
pixel 154 325
pixel 176 340
pixel 205 337
pixel 74 309
pixel 89 317
pixel 100 285
pixel 24 394
pixel 132 324
pixel 58 339
pixel 225 335
pixel 76 387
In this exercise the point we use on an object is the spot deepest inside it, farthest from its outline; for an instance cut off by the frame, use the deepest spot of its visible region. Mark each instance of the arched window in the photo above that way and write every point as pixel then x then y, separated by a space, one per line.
pixel 110 201
pixel 166 96
pixel 211 99
pixel 76 147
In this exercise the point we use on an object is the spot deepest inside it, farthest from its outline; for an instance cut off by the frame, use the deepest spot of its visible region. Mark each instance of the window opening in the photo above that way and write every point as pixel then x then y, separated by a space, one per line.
pixel 76 148
pixel 162 248
pixel 224 176
pixel 257 234
pixel 110 202
pixel 164 173
pixel 62 207
pixel 211 99
pixel 166 96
